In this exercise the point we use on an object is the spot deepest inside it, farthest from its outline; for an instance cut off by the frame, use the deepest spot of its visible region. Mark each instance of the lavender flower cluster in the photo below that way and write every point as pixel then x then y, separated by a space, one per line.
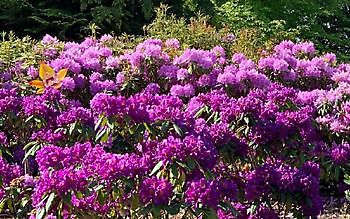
pixel 158 131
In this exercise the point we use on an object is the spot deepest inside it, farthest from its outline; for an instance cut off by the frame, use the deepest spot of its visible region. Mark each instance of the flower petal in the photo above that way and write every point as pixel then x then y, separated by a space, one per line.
pixel 45 71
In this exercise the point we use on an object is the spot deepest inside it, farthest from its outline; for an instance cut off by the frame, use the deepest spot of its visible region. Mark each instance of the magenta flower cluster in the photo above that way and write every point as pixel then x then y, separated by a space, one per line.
pixel 158 131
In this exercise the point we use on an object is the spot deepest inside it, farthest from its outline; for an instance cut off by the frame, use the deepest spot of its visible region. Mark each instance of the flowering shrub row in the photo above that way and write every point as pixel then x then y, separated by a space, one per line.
pixel 160 131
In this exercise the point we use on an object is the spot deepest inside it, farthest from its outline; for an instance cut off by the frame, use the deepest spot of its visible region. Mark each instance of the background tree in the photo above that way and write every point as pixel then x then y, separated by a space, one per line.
pixel 325 22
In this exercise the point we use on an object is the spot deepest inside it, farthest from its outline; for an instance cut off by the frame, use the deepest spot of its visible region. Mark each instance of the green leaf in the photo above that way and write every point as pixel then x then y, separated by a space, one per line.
pixel 31 152
pixel 283 197
pixel 240 130
pixel 173 209
pixel 347 195
pixel 67 198
pixel 29 145
pixel 29 118
pixel 5 151
pixel 174 172
pixel 134 202
pixel 246 131
pixel 72 127
pixel 308 202
pixel 149 128
pixel 178 130
pixel 37 120
pixel 183 165
pixel 49 201
pixel 79 195
pixel 40 213
pixel 99 121
pixel 217 117
pixel 289 202
pixel 191 68
pixel 347 181
pixel 156 211
pixel 337 172
pixel 58 130
pixel 24 202
pixel 191 163
pixel 252 209
pixel 100 134
pixel 110 123
pixel 226 206
pixel 199 112
pixel 9 203
pixel 101 197
pixel 132 129
pixel 99 187
pixel 246 120
pixel 211 214
pixel 2 204
pixel 105 137
pixel 156 168
pixel 212 116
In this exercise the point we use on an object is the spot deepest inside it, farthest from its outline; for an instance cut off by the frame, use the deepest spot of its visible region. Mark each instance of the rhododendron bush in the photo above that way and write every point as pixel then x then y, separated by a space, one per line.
pixel 160 131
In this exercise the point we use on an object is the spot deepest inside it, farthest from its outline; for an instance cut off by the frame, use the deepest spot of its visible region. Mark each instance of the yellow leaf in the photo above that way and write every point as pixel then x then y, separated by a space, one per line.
pixel 62 74
pixel 45 71
pixel 40 91
pixel 37 84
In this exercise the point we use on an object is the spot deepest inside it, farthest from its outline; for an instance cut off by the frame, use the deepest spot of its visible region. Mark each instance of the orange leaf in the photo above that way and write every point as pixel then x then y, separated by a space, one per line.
pixel 45 71
pixel 37 84
pixel 62 74
pixel 57 85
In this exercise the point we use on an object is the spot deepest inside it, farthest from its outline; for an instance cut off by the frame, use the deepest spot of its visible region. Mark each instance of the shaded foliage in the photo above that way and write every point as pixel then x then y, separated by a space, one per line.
pixel 71 19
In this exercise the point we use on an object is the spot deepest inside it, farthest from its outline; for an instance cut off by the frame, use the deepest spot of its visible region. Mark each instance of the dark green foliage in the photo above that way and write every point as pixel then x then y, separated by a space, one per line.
pixel 325 22
pixel 70 19
pixel 36 18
